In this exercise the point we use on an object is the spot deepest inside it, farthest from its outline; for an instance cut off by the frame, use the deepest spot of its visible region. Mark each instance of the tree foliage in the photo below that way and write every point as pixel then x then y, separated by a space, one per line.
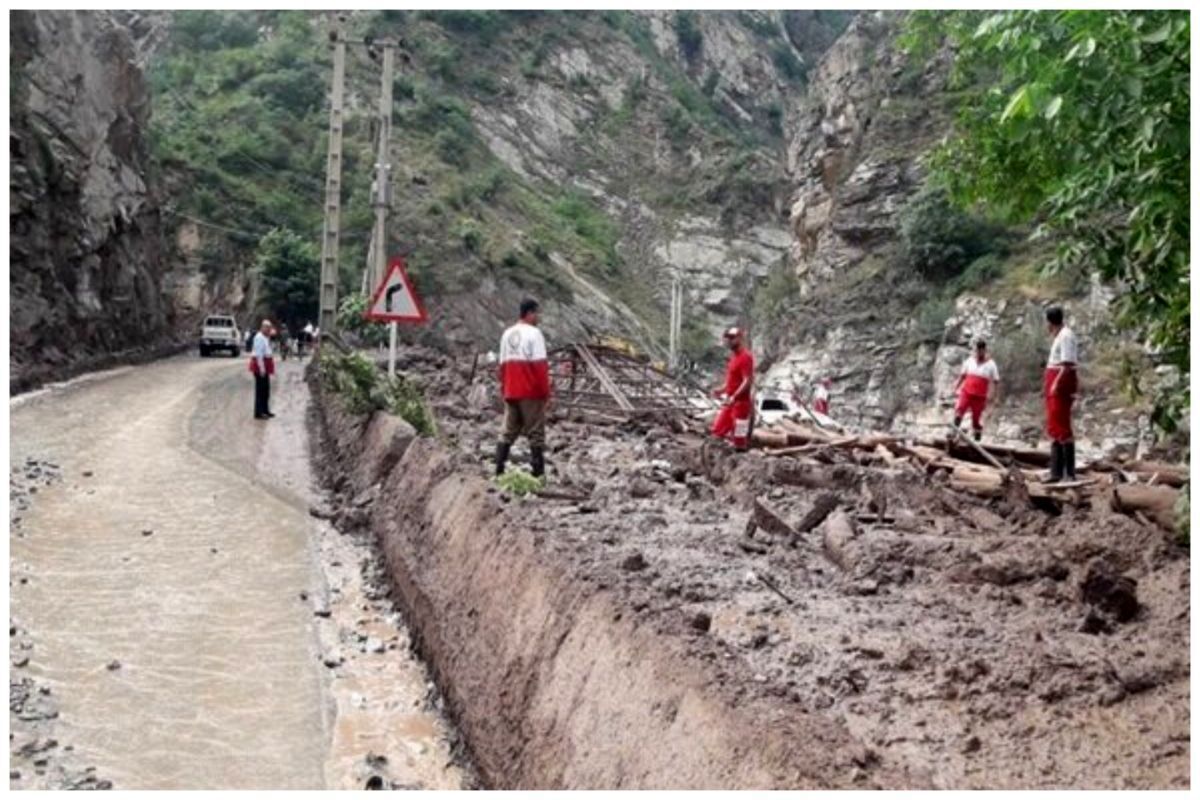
pixel 289 269
pixel 1078 121
pixel 691 39
pixel 939 239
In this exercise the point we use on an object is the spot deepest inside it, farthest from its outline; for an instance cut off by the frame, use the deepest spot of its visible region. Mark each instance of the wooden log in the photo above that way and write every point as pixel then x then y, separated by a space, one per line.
pixel 839 539
pixel 766 517
pixel 1168 474
pixel 976 446
pixel 767 438
pixel 823 506
pixel 1157 502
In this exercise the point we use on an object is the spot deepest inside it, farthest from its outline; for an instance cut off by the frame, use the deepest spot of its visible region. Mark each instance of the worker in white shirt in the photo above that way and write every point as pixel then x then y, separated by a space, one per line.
pixel 1061 384
pixel 262 366
pixel 977 383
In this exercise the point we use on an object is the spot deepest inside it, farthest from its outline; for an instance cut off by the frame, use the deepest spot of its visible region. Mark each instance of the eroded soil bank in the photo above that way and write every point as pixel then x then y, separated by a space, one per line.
pixel 643 625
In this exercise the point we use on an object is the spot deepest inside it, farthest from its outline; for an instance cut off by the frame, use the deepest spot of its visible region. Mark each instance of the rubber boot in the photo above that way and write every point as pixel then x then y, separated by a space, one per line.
pixel 1056 463
pixel 978 434
pixel 1068 449
pixel 502 449
pixel 958 422
pixel 537 461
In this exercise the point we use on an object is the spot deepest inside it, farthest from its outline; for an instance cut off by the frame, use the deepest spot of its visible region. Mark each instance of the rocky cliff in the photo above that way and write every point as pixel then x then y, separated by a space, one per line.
pixel 86 238
pixel 849 307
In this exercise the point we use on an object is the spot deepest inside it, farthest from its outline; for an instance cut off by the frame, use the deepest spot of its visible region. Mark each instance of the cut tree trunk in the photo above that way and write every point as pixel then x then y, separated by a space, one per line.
pixel 1157 502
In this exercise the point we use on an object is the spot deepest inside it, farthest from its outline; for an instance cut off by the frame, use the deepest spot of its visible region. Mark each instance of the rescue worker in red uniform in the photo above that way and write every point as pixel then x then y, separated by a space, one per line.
pixel 1060 385
pixel 737 396
pixel 821 397
pixel 976 384
pixel 525 385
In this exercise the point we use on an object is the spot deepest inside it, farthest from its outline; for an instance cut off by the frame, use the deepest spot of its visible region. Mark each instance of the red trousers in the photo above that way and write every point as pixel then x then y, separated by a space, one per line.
pixel 975 403
pixel 821 407
pixel 733 423
pixel 1058 403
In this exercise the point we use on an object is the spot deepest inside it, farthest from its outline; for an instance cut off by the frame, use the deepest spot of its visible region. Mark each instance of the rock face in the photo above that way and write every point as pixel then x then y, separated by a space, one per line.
pixel 855 156
pixel 86 247
pixel 558 127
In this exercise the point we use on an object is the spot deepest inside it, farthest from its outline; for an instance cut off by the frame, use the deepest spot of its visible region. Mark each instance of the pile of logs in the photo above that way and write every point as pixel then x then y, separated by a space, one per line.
pixel 1145 489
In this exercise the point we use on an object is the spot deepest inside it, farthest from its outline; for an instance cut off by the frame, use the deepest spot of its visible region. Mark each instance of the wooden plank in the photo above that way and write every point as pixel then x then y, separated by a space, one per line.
pixel 977 447
pixel 605 379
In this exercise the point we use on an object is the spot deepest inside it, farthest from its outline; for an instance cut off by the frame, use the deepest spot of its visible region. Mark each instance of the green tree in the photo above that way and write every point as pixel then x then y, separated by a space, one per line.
pixel 289 269
pixel 1078 121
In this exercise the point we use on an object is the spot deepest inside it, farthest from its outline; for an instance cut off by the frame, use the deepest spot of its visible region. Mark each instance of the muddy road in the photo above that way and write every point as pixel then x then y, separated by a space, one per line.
pixel 179 619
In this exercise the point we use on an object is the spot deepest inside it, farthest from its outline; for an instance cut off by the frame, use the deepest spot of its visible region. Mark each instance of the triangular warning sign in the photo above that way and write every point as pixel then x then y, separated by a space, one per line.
pixel 395 300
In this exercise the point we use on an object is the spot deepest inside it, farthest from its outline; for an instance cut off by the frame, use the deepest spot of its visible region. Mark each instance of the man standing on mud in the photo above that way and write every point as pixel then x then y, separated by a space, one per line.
pixel 1060 385
pixel 262 365
pixel 737 406
pixel 525 385
pixel 976 384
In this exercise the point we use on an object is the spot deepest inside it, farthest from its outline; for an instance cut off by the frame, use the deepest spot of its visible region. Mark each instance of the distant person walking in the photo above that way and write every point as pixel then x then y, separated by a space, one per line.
pixel 977 382
pixel 525 386
pixel 821 397
pixel 1061 384
pixel 737 396
pixel 262 365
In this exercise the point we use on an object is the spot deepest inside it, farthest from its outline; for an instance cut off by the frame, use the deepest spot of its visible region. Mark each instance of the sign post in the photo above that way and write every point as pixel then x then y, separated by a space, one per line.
pixel 395 300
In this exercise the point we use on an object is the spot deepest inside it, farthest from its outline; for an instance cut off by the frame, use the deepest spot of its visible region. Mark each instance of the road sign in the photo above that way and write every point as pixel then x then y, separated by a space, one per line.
pixel 394 299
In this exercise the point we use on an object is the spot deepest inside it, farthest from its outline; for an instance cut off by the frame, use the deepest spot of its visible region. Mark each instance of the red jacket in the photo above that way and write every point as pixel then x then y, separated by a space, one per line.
pixel 740 368
pixel 524 370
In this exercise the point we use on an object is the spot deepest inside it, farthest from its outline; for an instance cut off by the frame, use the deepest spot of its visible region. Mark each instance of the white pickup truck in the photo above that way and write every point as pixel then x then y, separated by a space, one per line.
pixel 220 332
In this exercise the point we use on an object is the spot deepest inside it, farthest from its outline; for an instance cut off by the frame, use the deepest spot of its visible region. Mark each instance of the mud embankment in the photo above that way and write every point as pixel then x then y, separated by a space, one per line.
pixel 553 681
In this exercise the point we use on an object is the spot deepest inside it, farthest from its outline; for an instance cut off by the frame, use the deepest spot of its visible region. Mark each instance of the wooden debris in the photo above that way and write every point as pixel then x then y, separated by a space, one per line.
pixel 768 519
pixel 1158 502
pixel 770 584
pixel 823 506
pixel 838 539
pixel 991 459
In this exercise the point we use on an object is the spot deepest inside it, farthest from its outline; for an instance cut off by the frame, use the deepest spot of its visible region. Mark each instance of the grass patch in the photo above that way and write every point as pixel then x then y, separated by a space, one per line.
pixel 519 482
pixel 356 379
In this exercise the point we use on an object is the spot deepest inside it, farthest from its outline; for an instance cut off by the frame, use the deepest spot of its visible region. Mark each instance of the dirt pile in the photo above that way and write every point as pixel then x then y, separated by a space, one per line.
pixel 892 630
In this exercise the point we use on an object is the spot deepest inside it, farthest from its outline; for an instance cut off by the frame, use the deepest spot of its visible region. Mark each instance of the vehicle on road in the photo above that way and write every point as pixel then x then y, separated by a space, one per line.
pixel 772 409
pixel 220 332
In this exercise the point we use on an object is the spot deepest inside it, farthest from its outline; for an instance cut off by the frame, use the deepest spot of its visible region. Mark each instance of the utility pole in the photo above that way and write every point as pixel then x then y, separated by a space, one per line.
pixel 330 240
pixel 382 199
pixel 676 337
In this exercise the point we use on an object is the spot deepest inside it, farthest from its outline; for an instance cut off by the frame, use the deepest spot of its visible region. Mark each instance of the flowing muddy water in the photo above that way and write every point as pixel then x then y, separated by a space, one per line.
pixel 196 627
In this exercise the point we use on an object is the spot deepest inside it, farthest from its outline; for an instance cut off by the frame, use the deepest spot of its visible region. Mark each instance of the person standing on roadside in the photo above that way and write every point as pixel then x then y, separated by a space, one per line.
pixel 1061 384
pixel 525 386
pixel 262 365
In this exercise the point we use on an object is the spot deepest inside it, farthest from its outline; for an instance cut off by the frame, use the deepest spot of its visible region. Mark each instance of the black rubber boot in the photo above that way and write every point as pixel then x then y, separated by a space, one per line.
pixel 957 422
pixel 1068 449
pixel 978 434
pixel 537 461
pixel 1056 463
pixel 502 449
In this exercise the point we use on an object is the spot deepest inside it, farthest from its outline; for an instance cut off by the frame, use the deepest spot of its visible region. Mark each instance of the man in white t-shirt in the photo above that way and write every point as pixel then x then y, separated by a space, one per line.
pixel 977 383
pixel 1060 385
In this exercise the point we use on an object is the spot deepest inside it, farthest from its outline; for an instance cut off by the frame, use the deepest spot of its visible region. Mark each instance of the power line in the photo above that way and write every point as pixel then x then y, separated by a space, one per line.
pixel 205 223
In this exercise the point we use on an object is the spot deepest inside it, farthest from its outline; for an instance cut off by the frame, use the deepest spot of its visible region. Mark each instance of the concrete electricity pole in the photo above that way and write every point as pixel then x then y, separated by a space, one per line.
pixel 676 334
pixel 382 199
pixel 330 240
